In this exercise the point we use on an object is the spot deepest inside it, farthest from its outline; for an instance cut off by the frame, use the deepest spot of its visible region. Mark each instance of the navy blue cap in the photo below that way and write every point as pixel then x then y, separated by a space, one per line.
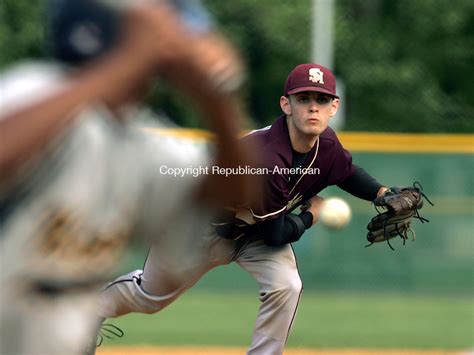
pixel 80 30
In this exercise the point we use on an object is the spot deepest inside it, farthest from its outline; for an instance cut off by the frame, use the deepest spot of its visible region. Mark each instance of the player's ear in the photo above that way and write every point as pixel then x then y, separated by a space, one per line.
pixel 285 105
pixel 334 106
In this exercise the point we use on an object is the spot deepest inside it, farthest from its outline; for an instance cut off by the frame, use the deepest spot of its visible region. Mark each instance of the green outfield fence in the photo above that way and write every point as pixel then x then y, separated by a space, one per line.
pixel 440 260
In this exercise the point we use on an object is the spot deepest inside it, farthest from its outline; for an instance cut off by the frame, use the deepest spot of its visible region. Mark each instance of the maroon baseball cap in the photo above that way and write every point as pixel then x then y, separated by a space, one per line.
pixel 311 77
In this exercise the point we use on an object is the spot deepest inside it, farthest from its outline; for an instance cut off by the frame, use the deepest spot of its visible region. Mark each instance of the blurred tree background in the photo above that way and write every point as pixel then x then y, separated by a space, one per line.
pixel 407 65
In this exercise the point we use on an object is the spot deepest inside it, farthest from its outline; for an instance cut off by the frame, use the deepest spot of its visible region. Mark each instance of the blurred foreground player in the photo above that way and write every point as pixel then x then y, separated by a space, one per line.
pixel 78 177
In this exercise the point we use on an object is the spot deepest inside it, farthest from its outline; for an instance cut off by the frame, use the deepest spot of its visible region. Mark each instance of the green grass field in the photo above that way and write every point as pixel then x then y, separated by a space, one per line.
pixel 323 321
pixel 416 297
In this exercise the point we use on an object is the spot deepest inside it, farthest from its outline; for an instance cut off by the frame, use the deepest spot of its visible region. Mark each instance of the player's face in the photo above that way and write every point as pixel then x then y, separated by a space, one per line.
pixel 309 112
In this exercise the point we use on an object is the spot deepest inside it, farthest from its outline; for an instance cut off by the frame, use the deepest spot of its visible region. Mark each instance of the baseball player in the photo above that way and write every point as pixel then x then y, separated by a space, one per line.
pixel 78 177
pixel 301 156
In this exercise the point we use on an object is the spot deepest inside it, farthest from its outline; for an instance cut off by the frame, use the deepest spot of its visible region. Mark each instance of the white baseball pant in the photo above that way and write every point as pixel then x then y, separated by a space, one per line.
pixel 167 275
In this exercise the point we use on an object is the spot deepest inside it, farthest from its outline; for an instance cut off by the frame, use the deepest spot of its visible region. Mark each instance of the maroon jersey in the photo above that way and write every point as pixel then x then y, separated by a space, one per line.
pixel 286 186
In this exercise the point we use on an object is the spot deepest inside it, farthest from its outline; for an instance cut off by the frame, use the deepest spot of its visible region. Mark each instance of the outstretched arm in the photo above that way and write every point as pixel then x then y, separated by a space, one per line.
pixel 112 79
pixel 154 42
pixel 362 185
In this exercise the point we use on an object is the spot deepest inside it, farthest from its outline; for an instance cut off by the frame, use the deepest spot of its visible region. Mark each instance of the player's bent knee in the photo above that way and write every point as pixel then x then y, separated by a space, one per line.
pixel 294 287
pixel 153 303
pixel 154 308
pixel 297 285
pixel 284 291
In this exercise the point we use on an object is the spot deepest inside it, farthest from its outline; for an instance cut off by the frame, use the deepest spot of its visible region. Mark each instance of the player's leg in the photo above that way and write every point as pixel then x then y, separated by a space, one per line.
pixel 148 290
pixel 275 270
pixel 161 281
pixel 168 272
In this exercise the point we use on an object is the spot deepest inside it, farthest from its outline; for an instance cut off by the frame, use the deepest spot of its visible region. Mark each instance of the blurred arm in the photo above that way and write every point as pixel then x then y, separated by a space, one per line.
pixel 212 80
pixel 113 79
pixel 28 130
pixel 154 42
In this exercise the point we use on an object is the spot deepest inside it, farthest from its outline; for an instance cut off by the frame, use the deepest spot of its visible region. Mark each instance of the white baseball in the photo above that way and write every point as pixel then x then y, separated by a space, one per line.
pixel 335 213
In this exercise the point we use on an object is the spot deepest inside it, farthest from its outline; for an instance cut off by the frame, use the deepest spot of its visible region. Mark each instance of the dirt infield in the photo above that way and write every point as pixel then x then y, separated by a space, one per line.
pixel 241 351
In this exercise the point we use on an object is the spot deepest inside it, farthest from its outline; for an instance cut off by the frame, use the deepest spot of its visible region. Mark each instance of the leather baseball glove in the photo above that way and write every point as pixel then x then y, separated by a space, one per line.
pixel 401 205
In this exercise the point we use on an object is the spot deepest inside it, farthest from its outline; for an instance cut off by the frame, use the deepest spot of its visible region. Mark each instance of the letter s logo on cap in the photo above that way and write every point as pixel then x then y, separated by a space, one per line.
pixel 316 75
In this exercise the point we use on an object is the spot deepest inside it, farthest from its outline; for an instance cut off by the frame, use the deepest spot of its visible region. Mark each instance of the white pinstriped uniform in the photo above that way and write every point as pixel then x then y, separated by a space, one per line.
pixel 68 215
